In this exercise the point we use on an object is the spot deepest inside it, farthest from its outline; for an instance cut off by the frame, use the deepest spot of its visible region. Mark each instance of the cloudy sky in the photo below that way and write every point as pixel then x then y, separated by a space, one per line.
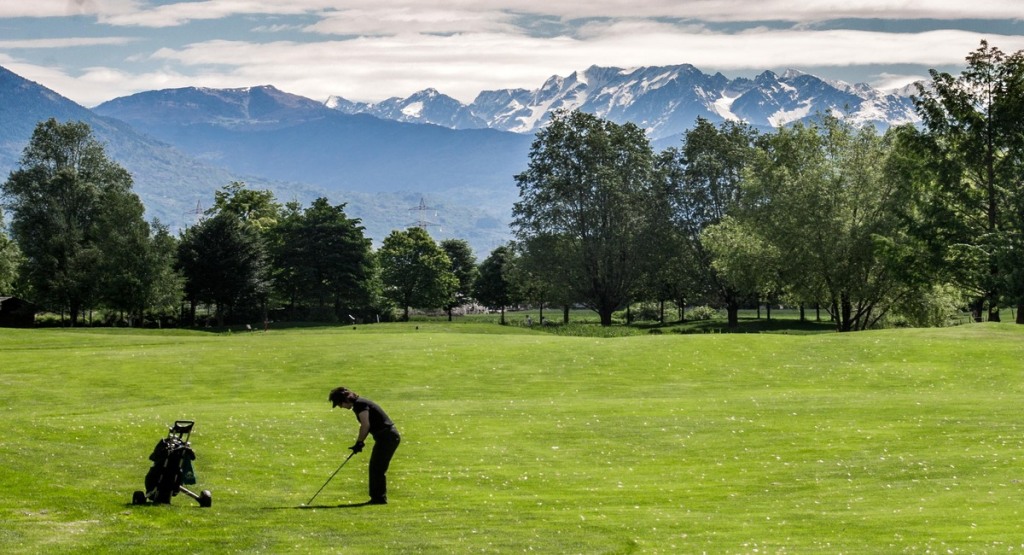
pixel 369 50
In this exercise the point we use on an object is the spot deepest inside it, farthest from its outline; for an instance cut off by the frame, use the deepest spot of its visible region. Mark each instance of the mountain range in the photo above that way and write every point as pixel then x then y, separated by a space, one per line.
pixel 423 160
pixel 665 101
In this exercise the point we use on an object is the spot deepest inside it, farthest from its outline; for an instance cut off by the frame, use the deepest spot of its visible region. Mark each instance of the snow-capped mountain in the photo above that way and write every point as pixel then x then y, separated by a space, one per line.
pixel 665 101
pixel 426 106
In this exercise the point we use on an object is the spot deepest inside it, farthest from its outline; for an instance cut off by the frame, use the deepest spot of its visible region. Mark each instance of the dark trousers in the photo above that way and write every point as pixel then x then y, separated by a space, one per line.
pixel 384 446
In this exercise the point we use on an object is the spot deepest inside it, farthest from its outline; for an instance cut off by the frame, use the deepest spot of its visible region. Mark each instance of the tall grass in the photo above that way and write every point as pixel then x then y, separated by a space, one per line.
pixel 518 440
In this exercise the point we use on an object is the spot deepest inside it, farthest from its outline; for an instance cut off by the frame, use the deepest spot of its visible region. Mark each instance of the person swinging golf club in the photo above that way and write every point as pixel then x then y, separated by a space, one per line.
pixel 373 421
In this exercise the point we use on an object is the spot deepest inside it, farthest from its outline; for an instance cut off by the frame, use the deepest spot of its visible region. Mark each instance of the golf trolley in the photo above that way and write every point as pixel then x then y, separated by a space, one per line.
pixel 172 466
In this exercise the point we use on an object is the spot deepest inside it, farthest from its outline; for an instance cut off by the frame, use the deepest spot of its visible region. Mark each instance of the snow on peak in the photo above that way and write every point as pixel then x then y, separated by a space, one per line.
pixel 782 117
pixel 413 109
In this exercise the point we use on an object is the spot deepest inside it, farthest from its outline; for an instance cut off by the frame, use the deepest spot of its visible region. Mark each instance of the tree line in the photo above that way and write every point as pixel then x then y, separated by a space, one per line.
pixel 906 226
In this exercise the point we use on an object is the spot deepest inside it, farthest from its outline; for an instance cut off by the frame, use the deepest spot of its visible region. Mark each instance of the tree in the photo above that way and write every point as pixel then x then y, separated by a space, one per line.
pixel 703 181
pixel 165 284
pixel 493 286
pixel 460 254
pixel 57 197
pixel 815 206
pixel 533 274
pixel 224 263
pixel 256 208
pixel 322 258
pixel 973 141
pixel 416 273
pixel 587 187
pixel 743 258
pixel 10 260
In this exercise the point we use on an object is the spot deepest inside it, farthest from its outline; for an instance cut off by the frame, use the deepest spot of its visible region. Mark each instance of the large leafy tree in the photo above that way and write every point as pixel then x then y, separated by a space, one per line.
pixel 10 260
pixel 534 275
pixel 974 146
pixel 703 180
pixel 814 208
pixel 415 271
pixel 224 263
pixel 322 258
pixel 61 199
pixel 136 274
pixel 460 254
pixel 494 286
pixel 256 207
pixel 587 188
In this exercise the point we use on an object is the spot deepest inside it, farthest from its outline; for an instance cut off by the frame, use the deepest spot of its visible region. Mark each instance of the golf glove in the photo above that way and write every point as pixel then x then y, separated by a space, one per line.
pixel 358 447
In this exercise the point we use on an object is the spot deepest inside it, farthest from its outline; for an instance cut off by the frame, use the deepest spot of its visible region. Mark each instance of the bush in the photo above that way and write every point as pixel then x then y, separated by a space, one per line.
pixel 937 306
pixel 702 313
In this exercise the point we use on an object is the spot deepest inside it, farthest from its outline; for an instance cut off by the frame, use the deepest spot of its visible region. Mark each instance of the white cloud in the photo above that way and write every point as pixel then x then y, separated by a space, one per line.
pixel 462 47
pixel 373 68
pixel 65 8
pixel 786 10
pixel 148 13
pixel 892 81
pixel 391 21
pixel 68 42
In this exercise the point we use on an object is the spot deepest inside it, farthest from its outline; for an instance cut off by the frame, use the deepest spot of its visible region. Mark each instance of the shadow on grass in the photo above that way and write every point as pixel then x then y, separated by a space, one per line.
pixel 752 325
pixel 342 506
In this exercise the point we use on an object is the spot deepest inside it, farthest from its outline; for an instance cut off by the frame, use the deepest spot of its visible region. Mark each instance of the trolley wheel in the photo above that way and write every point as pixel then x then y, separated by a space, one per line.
pixel 139 498
pixel 205 498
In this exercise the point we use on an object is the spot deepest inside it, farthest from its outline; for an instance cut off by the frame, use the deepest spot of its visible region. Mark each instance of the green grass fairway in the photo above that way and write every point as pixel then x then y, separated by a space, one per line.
pixel 515 440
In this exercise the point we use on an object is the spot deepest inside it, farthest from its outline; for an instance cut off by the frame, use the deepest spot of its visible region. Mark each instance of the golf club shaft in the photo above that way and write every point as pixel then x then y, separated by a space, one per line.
pixel 329 479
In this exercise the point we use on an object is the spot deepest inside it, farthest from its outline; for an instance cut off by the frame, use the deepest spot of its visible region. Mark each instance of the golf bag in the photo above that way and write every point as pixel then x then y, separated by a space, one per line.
pixel 172 466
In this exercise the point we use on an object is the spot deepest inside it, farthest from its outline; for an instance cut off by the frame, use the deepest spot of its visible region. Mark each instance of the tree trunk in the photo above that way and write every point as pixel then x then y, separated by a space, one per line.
pixel 565 314
pixel 976 307
pixel 993 312
pixel 846 307
pixel 733 309
pixel 1020 313
pixel 503 315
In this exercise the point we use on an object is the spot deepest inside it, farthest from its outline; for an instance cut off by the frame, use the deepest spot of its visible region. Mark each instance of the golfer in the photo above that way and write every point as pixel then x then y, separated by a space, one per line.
pixel 372 421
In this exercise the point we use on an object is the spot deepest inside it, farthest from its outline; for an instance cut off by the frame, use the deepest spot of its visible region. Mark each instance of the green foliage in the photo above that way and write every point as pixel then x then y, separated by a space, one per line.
pixel 257 208
pixel 589 189
pixel 68 202
pixel 815 203
pixel 515 440
pixel 494 287
pixel 415 272
pixel 322 262
pixel 703 182
pixel 973 145
pixel 936 306
pixel 10 261
pixel 223 261
pixel 464 268
pixel 702 312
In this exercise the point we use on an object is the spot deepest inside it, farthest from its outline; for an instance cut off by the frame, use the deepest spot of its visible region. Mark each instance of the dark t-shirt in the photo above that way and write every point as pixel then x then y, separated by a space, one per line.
pixel 379 420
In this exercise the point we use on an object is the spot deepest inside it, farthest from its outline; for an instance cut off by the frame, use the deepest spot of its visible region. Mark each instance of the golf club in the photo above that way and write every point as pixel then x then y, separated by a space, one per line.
pixel 329 479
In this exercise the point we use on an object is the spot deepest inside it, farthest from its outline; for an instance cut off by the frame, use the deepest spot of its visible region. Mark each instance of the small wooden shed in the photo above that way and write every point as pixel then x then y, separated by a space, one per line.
pixel 17 313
